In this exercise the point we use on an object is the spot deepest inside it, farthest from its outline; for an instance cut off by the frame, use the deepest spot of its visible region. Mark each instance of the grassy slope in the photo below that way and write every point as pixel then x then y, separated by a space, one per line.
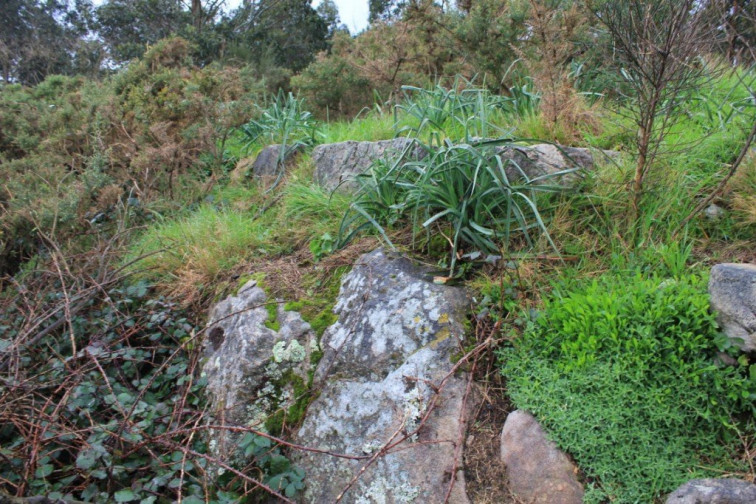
pixel 588 224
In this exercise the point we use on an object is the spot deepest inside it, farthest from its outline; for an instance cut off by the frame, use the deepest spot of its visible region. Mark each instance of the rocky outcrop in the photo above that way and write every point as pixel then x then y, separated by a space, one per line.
pixel 252 358
pixel 538 472
pixel 732 291
pixel 387 391
pixel 268 162
pixel 337 165
pixel 540 162
pixel 714 491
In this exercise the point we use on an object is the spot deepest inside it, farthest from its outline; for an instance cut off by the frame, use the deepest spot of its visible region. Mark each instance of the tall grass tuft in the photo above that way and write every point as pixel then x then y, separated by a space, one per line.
pixel 187 253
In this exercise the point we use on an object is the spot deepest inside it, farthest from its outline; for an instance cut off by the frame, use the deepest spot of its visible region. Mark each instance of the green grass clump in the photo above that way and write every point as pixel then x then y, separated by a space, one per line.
pixel 622 373
pixel 370 127
pixel 201 245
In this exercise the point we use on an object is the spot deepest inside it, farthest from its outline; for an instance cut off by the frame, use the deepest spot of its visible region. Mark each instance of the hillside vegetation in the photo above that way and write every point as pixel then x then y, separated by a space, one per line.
pixel 128 207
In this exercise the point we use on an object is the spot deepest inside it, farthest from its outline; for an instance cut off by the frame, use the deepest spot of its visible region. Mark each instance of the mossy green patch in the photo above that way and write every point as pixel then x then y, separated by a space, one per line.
pixel 303 395
pixel 314 313
pixel 272 322
pixel 258 277
pixel 318 309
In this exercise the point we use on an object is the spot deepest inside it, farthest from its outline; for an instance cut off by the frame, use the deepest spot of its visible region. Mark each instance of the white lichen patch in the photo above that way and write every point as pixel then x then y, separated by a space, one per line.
pixel 413 411
pixel 381 491
pixel 293 352
pixel 273 372
pixel 371 447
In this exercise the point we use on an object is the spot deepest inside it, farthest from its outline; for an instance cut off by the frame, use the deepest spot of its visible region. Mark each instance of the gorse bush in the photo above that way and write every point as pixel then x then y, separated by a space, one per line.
pixel 70 148
pixel 623 373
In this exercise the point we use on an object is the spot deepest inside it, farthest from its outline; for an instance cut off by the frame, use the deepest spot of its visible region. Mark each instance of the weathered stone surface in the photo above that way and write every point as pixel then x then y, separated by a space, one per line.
pixel 267 161
pixel 714 491
pixel 246 361
pixel 390 347
pixel 538 472
pixel 542 160
pixel 714 212
pixel 732 291
pixel 337 165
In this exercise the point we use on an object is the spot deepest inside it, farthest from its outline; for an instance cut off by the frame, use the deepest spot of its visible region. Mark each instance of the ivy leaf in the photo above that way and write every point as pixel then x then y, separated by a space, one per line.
pixel 44 471
pixel 86 460
pixel 125 495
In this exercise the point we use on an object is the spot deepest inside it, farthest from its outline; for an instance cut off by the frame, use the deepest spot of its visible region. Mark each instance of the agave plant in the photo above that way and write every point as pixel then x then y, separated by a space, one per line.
pixel 286 122
pixel 463 112
pixel 462 191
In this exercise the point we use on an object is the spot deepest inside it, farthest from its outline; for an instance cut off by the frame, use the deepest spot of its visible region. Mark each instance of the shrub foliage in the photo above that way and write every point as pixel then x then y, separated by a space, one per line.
pixel 623 372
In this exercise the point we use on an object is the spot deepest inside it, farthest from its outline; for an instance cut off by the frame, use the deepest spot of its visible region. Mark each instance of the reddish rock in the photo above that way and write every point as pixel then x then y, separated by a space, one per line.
pixel 538 472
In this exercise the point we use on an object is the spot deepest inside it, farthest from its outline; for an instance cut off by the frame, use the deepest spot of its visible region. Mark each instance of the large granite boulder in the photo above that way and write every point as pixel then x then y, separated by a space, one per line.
pixel 540 162
pixel 384 364
pixel 251 361
pixel 714 491
pixel 537 470
pixel 337 165
pixel 732 291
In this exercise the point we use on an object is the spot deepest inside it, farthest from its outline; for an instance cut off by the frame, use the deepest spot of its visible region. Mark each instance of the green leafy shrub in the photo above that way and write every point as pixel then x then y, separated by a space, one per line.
pixel 332 84
pixel 109 406
pixel 623 374
pixel 280 474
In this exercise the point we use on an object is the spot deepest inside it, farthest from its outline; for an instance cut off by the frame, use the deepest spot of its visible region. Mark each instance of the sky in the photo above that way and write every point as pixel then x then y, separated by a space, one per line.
pixel 353 13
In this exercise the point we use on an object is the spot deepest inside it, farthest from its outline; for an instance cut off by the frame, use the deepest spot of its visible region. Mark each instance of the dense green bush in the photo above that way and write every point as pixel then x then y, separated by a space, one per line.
pixel 623 373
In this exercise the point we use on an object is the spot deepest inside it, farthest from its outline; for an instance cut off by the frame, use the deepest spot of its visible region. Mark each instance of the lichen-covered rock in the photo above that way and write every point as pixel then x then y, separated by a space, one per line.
pixel 269 162
pixel 538 472
pixel 542 161
pixel 391 346
pixel 732 291
pixel 337 165
pixel 714 491
pixel 252 360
